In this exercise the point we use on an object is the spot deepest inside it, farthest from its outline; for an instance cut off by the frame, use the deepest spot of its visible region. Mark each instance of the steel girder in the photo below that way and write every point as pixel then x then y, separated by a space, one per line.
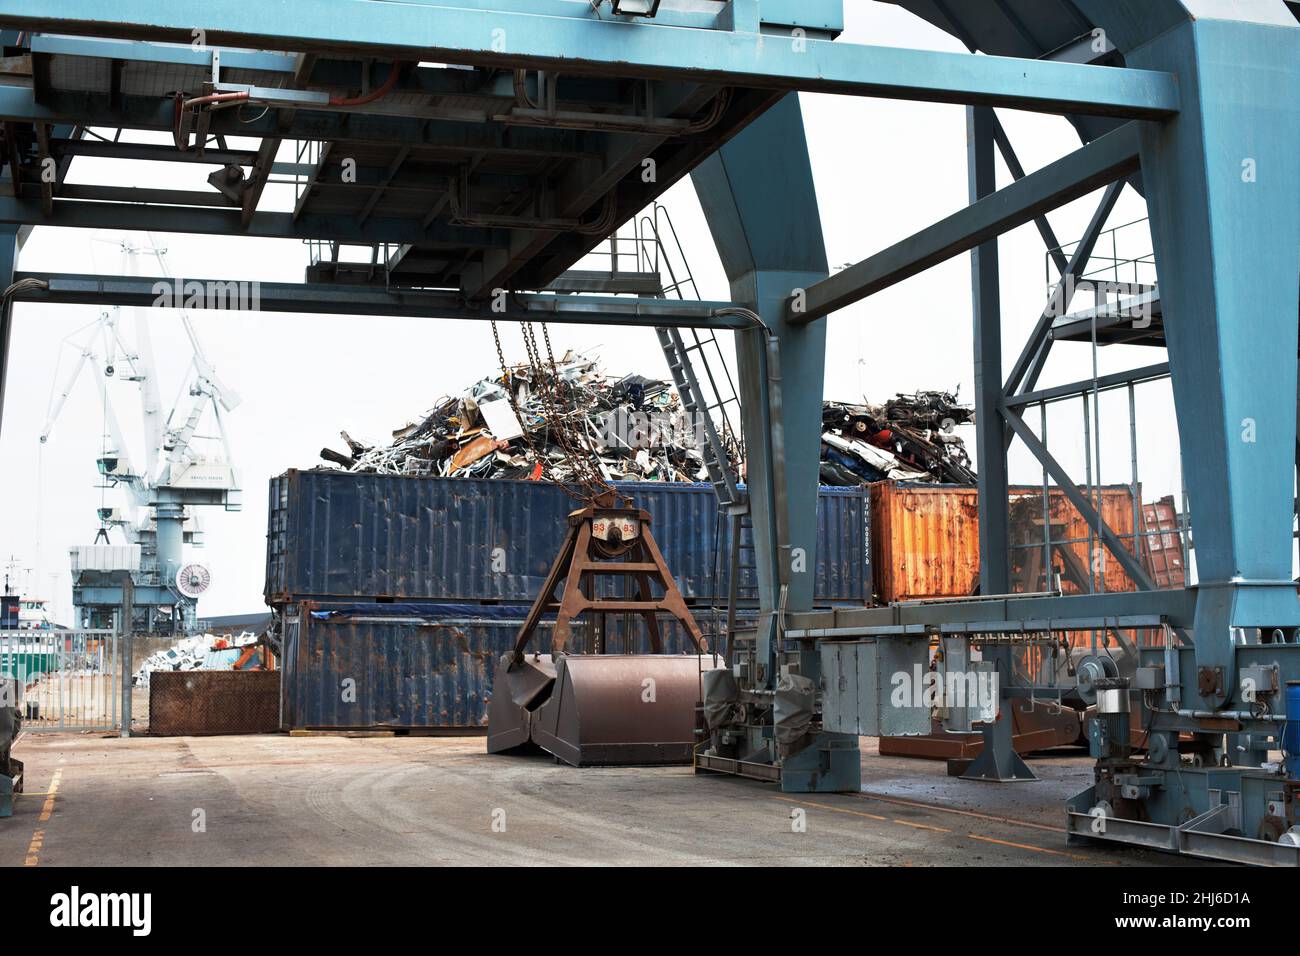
pixel 726 48
pixel 139 209
pixel 1103 161
pixel 149 113
pixel 369 300
pixel 998 760
pixel 442 126
pixel 1177 607
pixel 1102 383
pixel 664 51
pixel 1025 372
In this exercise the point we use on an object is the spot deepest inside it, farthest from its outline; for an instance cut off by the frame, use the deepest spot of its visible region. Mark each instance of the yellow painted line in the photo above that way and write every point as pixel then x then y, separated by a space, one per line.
pixel 1026 846
pixel 38 838
pixel 922 826
pixel 965 813
pixel 826 806
pixel 861 813
pixel 34 848
pixel 48 808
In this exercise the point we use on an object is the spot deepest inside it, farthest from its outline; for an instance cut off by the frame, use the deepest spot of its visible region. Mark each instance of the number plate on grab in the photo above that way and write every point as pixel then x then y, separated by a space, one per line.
pixel 603 527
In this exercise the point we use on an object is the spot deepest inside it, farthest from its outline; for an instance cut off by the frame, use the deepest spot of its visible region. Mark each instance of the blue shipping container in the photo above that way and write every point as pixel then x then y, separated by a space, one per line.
pixel 410 666
pixel 339 536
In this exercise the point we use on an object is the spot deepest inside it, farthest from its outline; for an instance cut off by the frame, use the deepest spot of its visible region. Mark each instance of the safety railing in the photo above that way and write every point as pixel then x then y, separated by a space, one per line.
pixel 1121 264
pixel 64 680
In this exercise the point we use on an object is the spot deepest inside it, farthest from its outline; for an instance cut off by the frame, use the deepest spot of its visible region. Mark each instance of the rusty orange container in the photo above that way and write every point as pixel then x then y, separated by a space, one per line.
pixel 925 539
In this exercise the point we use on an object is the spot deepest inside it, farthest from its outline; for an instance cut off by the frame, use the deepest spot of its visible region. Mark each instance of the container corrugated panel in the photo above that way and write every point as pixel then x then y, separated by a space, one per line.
pixel 926 537
pixel 925 542
pixel 1163 553
pixel 410 666
pixel 334 535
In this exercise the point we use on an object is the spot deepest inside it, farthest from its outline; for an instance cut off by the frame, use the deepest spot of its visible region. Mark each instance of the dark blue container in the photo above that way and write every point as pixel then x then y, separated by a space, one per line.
pixel 414 667
pixel 338 536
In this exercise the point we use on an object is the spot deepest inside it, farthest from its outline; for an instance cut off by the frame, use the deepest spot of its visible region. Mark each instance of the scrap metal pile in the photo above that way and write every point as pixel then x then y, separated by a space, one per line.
pixel 202 652
pixel 909 438
pixel 549 422
pixel 540 423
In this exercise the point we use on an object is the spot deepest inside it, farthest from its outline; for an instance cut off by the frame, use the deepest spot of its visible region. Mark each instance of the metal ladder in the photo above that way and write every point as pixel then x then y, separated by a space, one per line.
pixel 744 563
pixel 721 477
pixel 705 395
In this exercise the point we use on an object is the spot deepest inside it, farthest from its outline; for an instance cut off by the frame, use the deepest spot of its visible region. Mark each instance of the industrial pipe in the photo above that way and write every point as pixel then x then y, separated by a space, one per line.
pixel 214 98
pixel 374 94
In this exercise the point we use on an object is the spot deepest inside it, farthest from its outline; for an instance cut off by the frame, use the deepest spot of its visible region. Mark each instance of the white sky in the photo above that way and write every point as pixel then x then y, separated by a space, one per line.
pixel 883 170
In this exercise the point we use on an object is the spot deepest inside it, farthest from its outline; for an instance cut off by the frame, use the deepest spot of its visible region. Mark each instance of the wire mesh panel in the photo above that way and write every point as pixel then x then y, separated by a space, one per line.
pixel 64 680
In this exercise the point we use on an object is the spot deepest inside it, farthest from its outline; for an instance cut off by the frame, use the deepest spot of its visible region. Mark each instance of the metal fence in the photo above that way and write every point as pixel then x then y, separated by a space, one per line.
pixel 64 680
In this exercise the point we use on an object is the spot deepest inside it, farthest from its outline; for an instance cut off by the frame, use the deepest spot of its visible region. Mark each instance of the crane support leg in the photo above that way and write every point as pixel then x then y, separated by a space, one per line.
pixel 757 194
pixel 1224 195
pixel 1223 184
pixel 998 760
pixel 758 197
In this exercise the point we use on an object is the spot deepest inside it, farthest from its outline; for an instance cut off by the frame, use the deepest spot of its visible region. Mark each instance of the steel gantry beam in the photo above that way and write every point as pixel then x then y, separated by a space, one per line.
pixel 17 103
pixel 138 209
pixel 343 299
pixel 724 47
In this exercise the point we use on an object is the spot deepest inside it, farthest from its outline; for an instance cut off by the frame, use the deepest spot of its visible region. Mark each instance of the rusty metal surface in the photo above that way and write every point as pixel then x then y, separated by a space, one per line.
pixel 1163 553
pixel 925 540
pixel 1033 728
pixel 199 703
pixel 592 554
pixel 340 536
pixel 622 709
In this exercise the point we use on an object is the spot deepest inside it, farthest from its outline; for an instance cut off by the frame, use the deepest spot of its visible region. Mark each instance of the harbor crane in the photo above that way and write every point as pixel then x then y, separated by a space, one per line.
pixel 175 469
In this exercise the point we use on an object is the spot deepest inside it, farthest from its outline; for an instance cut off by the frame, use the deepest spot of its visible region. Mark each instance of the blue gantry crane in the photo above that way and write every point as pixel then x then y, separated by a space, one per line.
pixel 481 148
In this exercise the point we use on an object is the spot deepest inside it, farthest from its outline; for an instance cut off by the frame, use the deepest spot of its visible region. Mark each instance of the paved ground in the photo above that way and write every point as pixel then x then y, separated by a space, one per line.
pixel 277 800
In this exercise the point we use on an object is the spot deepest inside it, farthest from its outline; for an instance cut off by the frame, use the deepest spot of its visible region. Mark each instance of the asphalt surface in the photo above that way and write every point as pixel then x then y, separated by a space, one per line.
pixel 337 801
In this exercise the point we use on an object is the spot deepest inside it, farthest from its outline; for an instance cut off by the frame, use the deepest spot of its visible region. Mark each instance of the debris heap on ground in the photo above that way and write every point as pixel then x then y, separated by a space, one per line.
pixel 531 424
pixel 909 438
pixel 202 652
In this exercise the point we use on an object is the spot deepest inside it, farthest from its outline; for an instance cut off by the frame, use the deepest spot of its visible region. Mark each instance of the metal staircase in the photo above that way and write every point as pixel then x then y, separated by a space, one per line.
pixel 700 410
pixel 698 366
